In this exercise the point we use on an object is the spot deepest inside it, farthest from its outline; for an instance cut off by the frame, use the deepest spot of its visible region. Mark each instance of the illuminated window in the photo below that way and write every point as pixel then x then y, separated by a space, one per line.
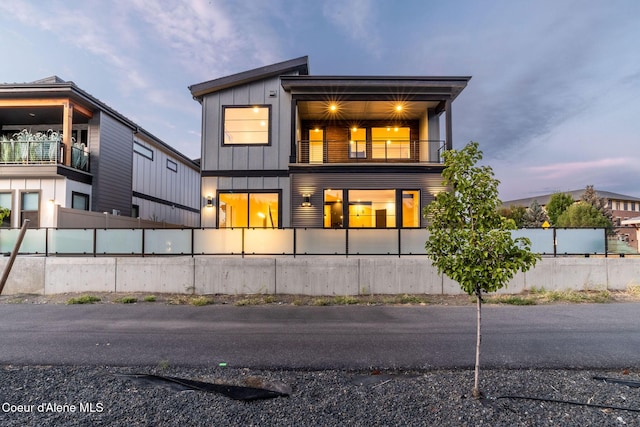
pixel 390 143
pixel 333 212
pixel 411 208
pixel 255 210
pixel 372 208
pixel 246 125
pixel 357 143
pixel 316 141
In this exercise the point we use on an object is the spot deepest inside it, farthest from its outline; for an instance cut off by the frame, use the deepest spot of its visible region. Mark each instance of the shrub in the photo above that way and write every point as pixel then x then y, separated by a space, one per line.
pixel 85 299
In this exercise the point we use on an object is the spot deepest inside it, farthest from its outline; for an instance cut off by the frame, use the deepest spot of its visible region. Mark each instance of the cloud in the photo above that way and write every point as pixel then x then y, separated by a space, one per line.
pixel 357 20
pixel 563 170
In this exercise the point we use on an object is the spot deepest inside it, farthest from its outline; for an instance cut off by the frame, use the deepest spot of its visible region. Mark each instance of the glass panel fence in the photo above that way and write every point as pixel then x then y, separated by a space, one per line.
pixel 412 241
pixel 34 242
pixel 580 241
pixel 318 241
pixel 268 241
pixel 373 242
pixel 217 241
pixel 541 239
pixel 69 241
pixel 170 242
pixel 119 241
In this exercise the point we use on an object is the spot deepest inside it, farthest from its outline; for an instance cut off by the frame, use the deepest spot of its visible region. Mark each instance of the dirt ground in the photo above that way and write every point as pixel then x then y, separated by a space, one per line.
pixel 525 298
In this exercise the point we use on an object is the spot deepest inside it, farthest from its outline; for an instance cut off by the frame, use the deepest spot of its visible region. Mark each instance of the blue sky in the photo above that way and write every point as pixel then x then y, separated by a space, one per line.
pixel 554 98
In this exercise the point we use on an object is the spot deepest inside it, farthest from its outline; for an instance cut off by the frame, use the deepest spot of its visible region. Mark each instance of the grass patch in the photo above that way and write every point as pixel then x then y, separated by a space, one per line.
pixel 200 301
pixel 84 299
pixel 345 300
pixel 150 298
pixel 321 302
pixel 511 300
pixel 408 299
pixel 634 290
pixel 578 297
pixel 127 300
pixel 267 299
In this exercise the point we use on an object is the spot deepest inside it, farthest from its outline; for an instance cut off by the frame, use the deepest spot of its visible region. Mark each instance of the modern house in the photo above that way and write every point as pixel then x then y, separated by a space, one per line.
pixel 283 148
pixel 63 151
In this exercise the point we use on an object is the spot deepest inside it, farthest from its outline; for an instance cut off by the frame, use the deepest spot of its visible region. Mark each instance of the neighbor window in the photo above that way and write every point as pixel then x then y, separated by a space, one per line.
pixel 246 125
pixel 6 203
pixel 172 166
pixel 142 150
pixel 30 208
pixel 390 143
pixel 79 201
pixel 253 209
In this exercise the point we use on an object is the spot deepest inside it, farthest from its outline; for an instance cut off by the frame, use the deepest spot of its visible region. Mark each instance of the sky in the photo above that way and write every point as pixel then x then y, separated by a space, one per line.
pixel 554 99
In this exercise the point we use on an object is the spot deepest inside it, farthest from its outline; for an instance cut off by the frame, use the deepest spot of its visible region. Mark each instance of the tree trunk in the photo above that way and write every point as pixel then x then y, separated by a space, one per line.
pixel 476 385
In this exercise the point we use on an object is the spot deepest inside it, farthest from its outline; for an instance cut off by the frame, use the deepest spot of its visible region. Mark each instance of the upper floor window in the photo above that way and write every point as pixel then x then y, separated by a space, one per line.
pixel 172 166
pixel 142 150
pixel 357 143
pixel 247 125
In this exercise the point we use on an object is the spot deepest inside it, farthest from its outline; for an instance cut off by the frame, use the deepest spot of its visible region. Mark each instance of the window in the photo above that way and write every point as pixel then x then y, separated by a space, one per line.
pixel 142 150
pixel 625 206
pixel 6 203
pixel 253 209
pixel 633 206
pixel 246 125
pixel 390 143
pixel 372 208
pixel 135 211
pixel 411 208
pixel 172 166
pixel 316 141
pixel 333 216
pixel 79 201
pixel 30 208
pixel 357 143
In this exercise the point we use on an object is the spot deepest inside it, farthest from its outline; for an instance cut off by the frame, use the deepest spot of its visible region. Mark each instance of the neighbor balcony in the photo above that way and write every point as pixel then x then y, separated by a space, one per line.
pixel 41 149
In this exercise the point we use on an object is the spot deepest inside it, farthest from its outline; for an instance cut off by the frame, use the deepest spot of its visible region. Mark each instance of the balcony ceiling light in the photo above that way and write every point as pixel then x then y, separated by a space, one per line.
pixel 333 107
pixel 398 107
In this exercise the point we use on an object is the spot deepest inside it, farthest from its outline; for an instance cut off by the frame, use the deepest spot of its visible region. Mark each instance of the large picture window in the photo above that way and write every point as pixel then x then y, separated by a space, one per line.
pixel 248 125
pixel 372 208
pixel 251 209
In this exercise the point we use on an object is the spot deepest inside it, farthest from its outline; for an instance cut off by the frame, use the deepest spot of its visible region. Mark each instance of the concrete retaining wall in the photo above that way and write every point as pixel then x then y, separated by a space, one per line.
pixel 329 275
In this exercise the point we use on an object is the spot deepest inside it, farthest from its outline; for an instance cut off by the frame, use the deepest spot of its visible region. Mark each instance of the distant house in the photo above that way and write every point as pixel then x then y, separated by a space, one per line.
pixel 61 148
pixel 623 208
pixel 283 148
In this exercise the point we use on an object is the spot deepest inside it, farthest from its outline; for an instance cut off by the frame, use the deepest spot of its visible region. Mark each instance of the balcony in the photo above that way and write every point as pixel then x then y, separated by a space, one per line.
pixel 24 148
pixel 370 151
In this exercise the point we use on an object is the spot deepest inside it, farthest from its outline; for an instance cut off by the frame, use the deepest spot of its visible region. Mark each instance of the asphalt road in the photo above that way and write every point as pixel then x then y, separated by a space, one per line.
pixel 338 337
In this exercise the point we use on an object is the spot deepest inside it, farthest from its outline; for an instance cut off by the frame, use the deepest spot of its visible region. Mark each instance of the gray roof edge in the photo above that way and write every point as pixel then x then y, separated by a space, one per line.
pixel 300 64
pixel 543 199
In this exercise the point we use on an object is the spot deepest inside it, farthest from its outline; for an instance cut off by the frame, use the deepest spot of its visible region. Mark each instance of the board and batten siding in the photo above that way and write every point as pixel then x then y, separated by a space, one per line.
pixel 111 164
pixel 315 184
pixel 215 156
pixel 168 190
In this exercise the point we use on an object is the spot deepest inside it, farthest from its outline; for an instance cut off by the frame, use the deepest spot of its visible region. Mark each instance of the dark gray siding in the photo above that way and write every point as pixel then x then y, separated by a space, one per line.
pixel 111 164
pixel 429 184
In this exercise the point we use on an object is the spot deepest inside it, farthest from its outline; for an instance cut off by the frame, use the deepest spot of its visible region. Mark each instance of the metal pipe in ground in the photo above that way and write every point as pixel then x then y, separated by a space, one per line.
pixel 14 253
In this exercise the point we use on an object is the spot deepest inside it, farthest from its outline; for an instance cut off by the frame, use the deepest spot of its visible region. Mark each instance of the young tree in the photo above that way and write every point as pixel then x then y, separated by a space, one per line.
pixel 514 212
pixel 591 197
pixel 535 216
pixel 469 240
pixel 582 214
pixel 558 203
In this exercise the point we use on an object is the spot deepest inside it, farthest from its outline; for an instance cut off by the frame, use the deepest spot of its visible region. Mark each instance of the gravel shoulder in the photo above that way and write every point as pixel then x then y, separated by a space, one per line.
pixel 104 396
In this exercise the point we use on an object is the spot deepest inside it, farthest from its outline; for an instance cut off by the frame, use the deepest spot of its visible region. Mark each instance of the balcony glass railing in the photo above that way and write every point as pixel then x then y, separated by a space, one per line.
pixel 24 148
pixel 375 151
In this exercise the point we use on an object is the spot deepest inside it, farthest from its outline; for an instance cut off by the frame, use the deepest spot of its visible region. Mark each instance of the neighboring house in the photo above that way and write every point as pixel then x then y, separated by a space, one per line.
pixel 62 148
pixel 282 148
pixel 623 208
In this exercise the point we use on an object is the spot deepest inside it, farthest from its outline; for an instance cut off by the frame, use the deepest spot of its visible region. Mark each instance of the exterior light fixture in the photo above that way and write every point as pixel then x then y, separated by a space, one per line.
pixel 209 202
pixel 333 107
pixel 306 200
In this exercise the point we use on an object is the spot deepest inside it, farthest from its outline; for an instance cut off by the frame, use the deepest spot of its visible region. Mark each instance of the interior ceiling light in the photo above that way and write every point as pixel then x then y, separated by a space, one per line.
pixel 256 110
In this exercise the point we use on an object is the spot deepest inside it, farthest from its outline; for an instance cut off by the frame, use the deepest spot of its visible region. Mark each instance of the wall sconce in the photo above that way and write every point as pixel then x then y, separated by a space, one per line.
pixel 306 200
pixel 209 202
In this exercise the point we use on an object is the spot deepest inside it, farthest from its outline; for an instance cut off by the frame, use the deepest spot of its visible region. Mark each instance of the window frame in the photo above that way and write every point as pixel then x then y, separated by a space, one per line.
pixel 142 150
pixel 7 221
pixel 34 224
pixel 248 193
pixel 87 200
pixel 174 166
pixel 254 144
